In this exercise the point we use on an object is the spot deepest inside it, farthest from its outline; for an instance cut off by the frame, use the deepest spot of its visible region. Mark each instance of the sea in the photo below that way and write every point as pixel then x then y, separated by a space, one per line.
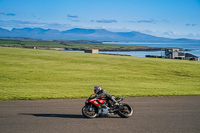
pixel 192 48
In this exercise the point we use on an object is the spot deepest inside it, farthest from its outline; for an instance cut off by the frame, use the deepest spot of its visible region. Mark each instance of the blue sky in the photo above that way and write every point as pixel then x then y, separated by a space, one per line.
pixel 166 18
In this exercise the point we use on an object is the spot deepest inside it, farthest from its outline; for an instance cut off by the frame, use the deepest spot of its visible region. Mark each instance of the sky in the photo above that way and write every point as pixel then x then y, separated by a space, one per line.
pixel 163 18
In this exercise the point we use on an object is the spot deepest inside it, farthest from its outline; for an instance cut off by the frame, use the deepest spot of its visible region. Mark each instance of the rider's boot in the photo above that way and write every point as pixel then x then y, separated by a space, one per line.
pixel 100 111
pixel 103 111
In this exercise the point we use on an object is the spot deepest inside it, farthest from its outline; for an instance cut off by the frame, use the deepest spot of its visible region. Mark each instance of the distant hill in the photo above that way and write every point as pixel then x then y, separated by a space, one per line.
pixel 89 34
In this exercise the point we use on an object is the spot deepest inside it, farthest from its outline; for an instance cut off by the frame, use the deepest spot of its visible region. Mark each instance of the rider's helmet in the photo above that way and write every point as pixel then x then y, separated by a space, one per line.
pixel 97 89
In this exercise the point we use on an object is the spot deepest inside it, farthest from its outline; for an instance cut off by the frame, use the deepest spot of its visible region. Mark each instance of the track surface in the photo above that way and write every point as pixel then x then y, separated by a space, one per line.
pixel 151 115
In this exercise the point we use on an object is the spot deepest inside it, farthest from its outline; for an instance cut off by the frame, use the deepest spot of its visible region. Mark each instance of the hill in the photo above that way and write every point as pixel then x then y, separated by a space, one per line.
pixel 47 74
pixel 89 34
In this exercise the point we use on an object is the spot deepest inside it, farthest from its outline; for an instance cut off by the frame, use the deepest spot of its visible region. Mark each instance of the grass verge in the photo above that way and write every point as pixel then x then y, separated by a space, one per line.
pixel 47 74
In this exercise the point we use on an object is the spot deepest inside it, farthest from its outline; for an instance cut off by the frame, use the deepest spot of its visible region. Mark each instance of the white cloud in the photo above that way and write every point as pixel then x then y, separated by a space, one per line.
pixel 144 21
pixel 190 24
pixel 72 16
pixel 31 24
pixel 171 34
pixel 7 14
pixel 106 21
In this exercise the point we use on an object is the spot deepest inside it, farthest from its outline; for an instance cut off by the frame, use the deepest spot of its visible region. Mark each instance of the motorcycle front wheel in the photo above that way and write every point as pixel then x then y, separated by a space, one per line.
pixel 125 110
pixel 89 112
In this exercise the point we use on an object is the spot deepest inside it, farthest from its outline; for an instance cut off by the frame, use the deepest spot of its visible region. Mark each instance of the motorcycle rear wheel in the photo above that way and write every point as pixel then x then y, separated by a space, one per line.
pixel 125 110
pixel 87 113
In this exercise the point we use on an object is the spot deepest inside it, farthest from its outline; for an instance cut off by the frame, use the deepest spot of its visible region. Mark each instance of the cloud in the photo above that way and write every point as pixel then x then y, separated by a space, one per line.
pixel 105 21
pixel 175 35
pixel 143 21
pixel 7 14
pixel 165 21
pixel 190 24
pixel 33 24
pixel 75 20
pixel 149 31
pixel 72 16
pixel 193 24
pixel 33 15
pixel 169 33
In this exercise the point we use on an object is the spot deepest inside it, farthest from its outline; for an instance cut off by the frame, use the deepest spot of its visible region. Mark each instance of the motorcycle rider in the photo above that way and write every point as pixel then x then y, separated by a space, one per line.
pixel 102 93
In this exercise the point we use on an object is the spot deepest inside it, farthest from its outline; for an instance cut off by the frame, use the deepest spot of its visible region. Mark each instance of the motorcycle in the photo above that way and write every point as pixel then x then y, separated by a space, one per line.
pixel 90 110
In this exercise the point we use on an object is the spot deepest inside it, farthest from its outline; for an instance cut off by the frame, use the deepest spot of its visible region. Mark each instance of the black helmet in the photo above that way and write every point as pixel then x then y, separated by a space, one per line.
pixel 97 89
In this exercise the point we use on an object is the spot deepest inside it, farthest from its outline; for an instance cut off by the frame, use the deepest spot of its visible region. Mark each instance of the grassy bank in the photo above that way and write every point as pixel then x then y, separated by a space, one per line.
pixel 71 45
pixel 47 74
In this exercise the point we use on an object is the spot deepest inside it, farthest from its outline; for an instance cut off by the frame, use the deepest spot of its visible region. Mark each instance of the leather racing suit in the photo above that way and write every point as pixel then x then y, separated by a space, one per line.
pixel 103 93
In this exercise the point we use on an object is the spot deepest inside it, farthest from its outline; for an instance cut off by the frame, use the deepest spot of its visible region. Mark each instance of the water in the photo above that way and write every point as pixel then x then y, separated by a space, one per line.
pixel 193 49
pixel 134 53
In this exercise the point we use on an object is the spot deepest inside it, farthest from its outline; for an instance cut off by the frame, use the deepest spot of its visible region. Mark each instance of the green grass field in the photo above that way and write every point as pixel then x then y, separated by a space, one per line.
pixel 48 74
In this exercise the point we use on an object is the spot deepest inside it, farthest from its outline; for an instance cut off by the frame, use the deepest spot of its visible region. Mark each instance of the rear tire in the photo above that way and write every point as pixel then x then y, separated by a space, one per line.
pixel 125 110
pixel 87 113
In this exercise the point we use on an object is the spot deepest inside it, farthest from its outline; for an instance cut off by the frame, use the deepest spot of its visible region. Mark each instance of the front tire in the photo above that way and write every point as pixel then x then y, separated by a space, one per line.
pixel 125 110
pixel 87 113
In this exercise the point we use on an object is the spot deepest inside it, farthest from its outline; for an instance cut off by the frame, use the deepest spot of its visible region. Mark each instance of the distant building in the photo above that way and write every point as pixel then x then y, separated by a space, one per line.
pixel 93 51
pixel 174 53
pixel 189 56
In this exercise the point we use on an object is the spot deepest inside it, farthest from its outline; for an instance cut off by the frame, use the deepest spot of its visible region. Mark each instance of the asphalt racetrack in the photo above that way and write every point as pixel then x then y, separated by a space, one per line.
pixel 151 115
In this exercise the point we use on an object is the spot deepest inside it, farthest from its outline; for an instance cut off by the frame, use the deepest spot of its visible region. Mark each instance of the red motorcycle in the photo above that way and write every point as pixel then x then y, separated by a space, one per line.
pixel 90 110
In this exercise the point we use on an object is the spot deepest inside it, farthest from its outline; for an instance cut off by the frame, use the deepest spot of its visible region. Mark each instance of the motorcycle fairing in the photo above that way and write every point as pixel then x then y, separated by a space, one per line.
pixel 96 102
